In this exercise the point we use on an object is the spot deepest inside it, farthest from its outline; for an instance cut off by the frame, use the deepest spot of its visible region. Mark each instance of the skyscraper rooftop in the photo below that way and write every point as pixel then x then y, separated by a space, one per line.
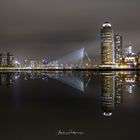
pixel 106 24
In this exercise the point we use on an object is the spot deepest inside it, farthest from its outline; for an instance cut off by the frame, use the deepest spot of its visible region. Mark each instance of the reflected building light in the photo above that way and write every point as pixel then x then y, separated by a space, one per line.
pixel 118 89
pixel 129 88
pixel 9 79
pixel 16 77
pixel 107 95
pixel 107 114
pixel 25 78
pixel 2 79
pixel 73 80
pixel 45 78
pixel 131 80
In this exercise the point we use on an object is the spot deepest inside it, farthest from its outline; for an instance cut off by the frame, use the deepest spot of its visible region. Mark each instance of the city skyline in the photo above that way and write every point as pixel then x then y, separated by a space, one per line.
pixel 52 29
pixel 69 68
pixel 112 53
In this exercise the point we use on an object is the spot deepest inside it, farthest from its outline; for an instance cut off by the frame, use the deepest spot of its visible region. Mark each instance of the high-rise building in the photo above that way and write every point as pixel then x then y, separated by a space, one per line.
pixel 10 59
pixel 107 45
pixel 130 57
pixel 3 59
pixel 118 48
pixel 138 60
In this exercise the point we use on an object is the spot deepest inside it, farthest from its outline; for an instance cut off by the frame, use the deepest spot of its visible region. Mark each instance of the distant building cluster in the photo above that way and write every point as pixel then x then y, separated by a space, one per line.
pixel 7 60
pixel 111 50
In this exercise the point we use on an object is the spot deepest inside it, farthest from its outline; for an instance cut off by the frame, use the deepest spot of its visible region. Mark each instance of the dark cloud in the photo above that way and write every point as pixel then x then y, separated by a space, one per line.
pixel 52 28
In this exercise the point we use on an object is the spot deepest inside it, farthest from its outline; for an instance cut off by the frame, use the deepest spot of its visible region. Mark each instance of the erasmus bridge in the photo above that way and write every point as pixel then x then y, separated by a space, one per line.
pixel 76 59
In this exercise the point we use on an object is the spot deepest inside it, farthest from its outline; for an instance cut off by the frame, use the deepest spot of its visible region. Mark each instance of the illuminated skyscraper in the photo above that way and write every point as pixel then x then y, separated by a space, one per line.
pixel 107 44
pixel 3 59
pixel 118 48
pixel 10 59
pixel 138 59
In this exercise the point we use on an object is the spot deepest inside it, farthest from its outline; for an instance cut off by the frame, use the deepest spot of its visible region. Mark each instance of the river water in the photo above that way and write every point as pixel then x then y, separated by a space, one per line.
pixel 70 105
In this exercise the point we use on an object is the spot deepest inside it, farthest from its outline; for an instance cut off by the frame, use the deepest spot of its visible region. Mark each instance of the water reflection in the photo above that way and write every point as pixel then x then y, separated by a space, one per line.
pixel 113 84
pixel 76 80
pixel 107 94
pixel 7 79
pixel 112 92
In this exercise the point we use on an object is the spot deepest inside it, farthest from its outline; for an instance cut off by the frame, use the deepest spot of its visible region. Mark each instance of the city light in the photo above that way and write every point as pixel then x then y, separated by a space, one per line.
pixel 112 56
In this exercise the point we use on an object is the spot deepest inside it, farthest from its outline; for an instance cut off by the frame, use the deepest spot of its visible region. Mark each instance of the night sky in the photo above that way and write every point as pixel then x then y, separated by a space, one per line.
pixel 36 29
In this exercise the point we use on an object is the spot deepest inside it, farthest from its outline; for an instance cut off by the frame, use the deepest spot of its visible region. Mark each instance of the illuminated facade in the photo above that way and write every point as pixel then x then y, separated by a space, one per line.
pixel 107 44
pixel 138 59
pixel 10 59
pixel 131 61
pixel 118 48
pixel 130 57
pixel 3 60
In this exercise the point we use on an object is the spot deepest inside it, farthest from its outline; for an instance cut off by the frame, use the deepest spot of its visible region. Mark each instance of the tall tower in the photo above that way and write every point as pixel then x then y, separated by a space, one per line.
pixel 10 59
pixel 118 48
pixel 3 59
pixel 107 45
